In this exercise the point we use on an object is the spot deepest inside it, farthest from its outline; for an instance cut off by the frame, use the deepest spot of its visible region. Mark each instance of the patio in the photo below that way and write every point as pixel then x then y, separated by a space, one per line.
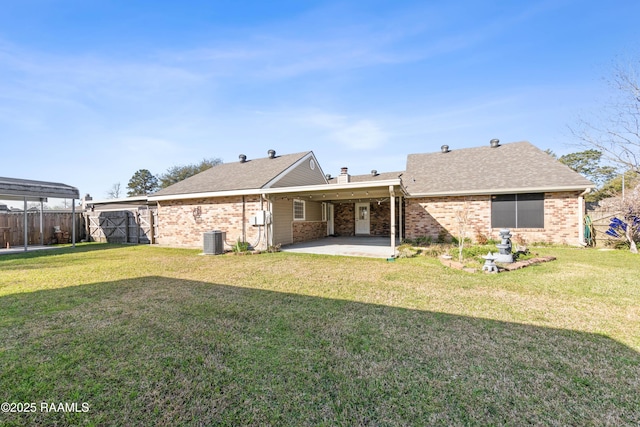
pixel 361 246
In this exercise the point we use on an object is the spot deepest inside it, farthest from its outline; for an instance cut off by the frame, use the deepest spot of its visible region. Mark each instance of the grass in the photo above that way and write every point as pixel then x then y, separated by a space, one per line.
pixel 157 336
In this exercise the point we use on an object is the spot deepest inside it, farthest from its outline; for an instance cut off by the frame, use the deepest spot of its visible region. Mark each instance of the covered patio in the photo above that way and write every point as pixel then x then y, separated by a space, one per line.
pixel 26 190
pixel 362 218
pixel 360 246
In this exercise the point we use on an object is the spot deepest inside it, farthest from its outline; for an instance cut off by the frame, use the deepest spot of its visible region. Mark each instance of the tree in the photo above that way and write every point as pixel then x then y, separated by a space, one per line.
pixel 462 220
pixel 142 183
pixel 613 187
pixel 615 131
pixel 114 192
pixel 179 173
pixel 587 163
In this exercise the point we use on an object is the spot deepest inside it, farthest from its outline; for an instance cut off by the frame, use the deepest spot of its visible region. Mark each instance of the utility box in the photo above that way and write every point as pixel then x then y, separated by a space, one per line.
pixel 260 218
pixel 214 242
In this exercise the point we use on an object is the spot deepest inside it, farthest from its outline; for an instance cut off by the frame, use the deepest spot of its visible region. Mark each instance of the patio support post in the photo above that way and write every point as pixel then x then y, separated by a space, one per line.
pixel 73 223
pixel 400 218
pixel 41 222
pixel 25 225
pixel 393 221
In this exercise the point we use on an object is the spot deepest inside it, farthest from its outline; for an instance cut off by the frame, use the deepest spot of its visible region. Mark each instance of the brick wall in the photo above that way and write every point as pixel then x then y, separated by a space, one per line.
pixel 304 231
pixel 434 215
pixel 181 223
pixel 344 219
pixel 380 219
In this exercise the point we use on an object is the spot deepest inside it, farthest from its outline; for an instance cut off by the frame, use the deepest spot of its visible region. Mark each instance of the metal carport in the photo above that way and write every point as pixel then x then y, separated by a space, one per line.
pixel 38 191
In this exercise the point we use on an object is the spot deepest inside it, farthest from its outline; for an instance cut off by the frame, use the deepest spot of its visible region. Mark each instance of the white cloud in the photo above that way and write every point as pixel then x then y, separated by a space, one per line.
pixel 360 135
pixel 352 133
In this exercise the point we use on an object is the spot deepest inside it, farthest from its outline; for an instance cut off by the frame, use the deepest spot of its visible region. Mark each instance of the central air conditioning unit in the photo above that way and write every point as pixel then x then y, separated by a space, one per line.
pixel 214 242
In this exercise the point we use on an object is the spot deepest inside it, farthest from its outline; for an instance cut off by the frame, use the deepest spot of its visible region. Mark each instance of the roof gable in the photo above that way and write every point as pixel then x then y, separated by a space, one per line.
pixel 305 171
pixel 518 166
pixel 248 175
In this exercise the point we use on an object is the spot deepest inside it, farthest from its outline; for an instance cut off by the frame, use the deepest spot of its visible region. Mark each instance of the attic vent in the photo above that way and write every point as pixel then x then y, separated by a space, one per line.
pixel 243 158
pixel 272 154
pixel 374 172
pixel 444 148
pixel 495 143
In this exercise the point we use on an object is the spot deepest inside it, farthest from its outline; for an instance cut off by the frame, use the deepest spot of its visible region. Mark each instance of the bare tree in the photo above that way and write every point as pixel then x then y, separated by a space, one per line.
pixel 615 130
pixel 462 220
pixel 114 192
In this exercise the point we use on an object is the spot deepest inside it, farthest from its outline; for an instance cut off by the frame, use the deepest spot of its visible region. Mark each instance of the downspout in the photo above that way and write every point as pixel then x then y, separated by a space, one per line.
pixel 244 225
pixel 268 231
pixel 581 213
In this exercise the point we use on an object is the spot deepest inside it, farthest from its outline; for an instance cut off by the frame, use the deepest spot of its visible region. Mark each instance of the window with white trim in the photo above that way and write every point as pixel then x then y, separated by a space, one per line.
pixel 298 210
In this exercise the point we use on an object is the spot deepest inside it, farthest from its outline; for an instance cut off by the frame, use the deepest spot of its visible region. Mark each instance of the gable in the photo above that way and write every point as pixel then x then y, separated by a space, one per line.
pixel 306 171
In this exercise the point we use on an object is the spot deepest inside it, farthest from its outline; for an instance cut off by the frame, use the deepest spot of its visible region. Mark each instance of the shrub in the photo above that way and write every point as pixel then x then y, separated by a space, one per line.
pixel 240 247
pixel 406 251
pixel 481 238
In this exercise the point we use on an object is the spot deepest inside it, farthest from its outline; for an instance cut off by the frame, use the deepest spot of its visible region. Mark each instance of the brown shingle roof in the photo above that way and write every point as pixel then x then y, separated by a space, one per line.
pixel 253 174
pixel 515 166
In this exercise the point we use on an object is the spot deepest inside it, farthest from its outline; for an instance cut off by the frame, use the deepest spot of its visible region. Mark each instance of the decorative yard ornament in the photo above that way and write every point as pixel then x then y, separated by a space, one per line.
pixel 625 228
pixel 504 247
pixel 489 263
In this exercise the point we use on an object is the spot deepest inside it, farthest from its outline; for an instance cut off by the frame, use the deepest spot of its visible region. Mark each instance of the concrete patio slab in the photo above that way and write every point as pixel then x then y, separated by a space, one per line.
pixel 30 248
pixel 361 246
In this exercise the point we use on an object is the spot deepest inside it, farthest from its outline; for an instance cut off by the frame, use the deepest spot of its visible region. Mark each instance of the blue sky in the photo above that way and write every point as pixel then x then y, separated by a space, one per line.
pixel 91 91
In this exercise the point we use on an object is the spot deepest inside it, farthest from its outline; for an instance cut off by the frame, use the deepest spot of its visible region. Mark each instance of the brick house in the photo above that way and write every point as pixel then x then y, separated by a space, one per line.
pixel 285 199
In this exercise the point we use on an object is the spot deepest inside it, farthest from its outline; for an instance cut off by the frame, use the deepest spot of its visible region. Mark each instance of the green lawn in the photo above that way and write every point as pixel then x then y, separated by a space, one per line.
pixel 156 336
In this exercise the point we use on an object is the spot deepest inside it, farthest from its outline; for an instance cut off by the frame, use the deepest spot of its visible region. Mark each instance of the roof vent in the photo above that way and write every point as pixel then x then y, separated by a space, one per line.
pixel 243 158
pixel 495 143
pixel 328 176
pixel 272 154
pixel 444 148
pixel 374 172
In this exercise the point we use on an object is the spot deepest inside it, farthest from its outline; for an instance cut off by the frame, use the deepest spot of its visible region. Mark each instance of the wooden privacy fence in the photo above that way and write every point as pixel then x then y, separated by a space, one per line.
pixel 122 226
pixel 12 227
pixel 601 218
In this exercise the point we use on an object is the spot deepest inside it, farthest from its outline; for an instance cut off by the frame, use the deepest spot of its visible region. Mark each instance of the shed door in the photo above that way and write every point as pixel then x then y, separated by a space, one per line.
pixel 362 218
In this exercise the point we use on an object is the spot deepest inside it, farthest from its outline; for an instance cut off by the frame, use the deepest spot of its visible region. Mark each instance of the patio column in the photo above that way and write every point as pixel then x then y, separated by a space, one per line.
pixel 400 218
pixel 41 222
pixel 73 223
pixel 25 225
pixel 393 221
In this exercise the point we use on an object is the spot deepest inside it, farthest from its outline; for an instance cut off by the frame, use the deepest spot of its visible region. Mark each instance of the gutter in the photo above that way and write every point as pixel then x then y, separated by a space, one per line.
pixel 282 190
pixel 517 190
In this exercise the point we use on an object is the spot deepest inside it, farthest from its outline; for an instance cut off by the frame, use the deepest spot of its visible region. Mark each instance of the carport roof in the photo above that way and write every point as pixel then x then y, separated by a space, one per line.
pixel 18 189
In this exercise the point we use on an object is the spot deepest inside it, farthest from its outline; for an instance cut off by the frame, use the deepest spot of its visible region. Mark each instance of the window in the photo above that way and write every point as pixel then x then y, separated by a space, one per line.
pixel 298 210
pixel 517 211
